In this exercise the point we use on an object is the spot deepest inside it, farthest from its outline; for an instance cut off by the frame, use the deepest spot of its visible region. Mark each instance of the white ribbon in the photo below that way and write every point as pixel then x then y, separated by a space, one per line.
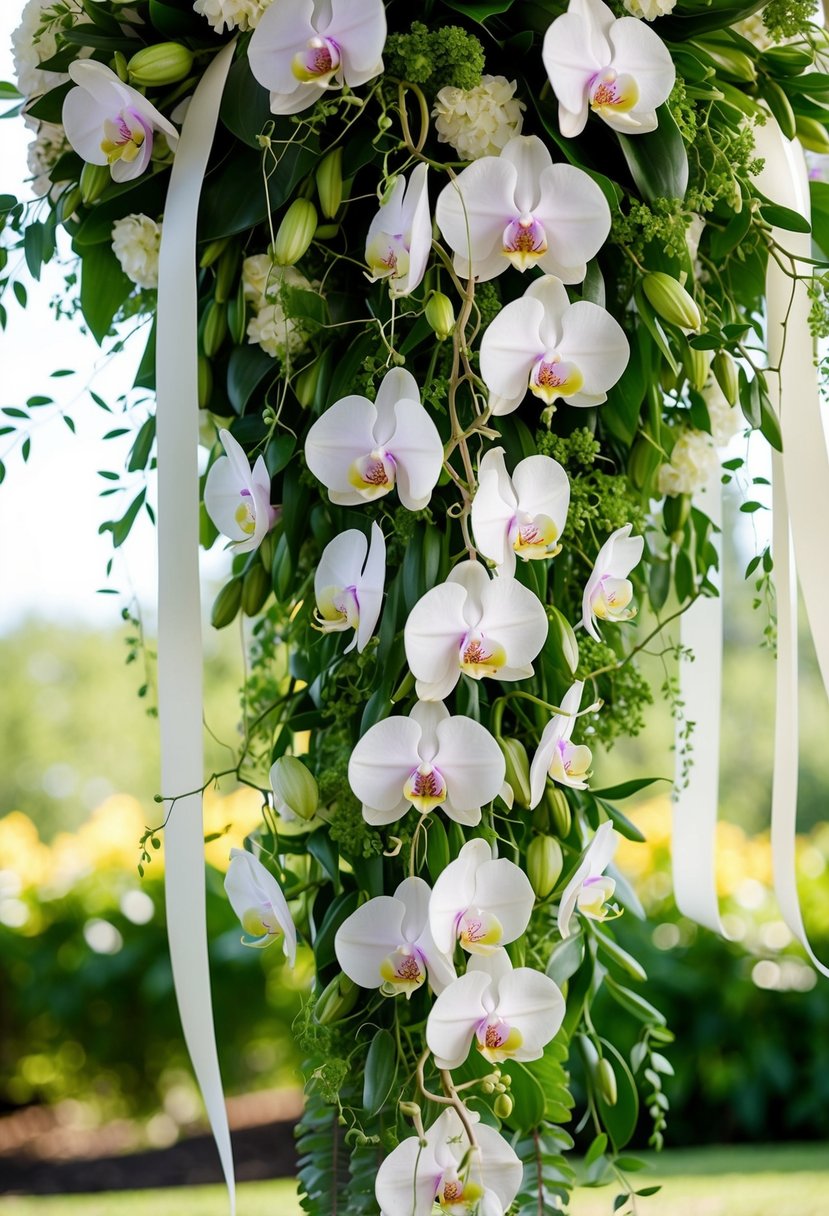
pixel 179 606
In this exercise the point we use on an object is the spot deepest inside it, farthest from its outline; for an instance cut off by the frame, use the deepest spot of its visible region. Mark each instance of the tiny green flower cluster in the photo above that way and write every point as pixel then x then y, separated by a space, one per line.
pixel 623 687
pixel 448 55
pixel 599 501
pixel 487 302
pixel 578 450
pixel 348 829
pixel 663 224
pixel 685 116
pixel 818 288
pixel 787 18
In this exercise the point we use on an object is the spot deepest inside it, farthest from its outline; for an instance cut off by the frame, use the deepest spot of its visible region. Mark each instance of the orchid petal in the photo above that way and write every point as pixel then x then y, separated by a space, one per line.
pixel 472 210
pixel 367 937
pixel 341 435
pixel 82 120
pixel 576 218
pixel 381 762
pixel 406 1179
pixel 418 451
pixel 510 346
pixel 341 561
pixel 359 27
pixel 453 1017
pixel 493 509
pixel 572 53
pixel 595 341
pixel 639 51
pixel 454 891
pixel 530 157
pixel 432 634
pixel 471 762
pixel 543 488
pixel 559 728
pixel 473 577
pixel 533 1003
pixel 514 616
pixel 505 892
pixel 501 1170
pixel 552 295
pixel 429 715
pixel 282 32
pixel 398 384
pixel 414 894
pixel 370 588
pixel 595 860
pixel 250 888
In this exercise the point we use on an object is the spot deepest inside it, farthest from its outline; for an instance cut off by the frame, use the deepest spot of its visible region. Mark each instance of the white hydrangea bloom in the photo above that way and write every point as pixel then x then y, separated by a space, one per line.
pixel 693 460
pixel 231 14
pixel 28 54
pixel 136 240
pixel 649 9
pixel 43 152
pixel 276 333
pixel 479 122
pixel 726 420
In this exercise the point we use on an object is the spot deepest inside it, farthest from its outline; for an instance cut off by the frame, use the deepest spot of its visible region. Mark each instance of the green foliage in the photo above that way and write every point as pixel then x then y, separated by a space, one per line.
pixel 434 58
pixel 788 18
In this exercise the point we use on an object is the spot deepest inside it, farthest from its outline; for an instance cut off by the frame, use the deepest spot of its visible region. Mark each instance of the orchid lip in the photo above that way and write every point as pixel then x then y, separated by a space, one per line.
pixel 612 91
pixel 425 788
pixel 318 62
pixel 479 657
pixel 524 241
pixel 374 474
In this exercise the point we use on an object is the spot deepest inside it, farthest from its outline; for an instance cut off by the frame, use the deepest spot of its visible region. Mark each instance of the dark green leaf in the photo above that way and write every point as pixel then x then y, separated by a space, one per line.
pixel 621 822
pixel 104 287
pixel 381 1071
pixel 620 1119
pixel 245 108
pixel 141 448
pixel 49 107
pixel 784 217
pixel 626 788
pixel 247 367
pixel 527 1095
pixel 87 34
pixel 658 162
pixel 321 846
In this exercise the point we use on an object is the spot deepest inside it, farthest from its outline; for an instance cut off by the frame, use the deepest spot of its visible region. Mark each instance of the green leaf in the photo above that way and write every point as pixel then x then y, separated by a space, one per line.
pixel 658 162
pixel 596 1149
pixel 527 1095
pixel 565 958
pixel 49 107
pixel 340 908
pixel 784 217
pixel 819 193
pixel 177 21
pixel 247 367
pixel 246 107
pixel 633 1003
pixel 621 822
pixel 225 212
pixel 479 11
pixel 381 1071
pixel 620 1119
pixel 120 528
pixel 104 287
pixel 87 34
pixel 320 845
pixel 437 848
pixel 712 17
pixel 141 448
pixel 626 788
pixel 8 92
pixel 615 954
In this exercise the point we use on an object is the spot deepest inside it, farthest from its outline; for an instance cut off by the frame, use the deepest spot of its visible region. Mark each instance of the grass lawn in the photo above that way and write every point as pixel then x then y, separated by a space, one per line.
pixel 792 1180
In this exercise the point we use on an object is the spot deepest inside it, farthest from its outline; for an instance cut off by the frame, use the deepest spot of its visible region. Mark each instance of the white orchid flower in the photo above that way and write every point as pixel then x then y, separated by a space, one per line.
pixel 360 449
pixel 480 901
pixel 508 1014
pixel 416 1176
pixel 109 123
pixel 616 67
pixel 426 760
pixel 400 235
pixel 566 763
pixel 474 624
pixel 257 900
pixel 555 348
pixel 302 49
pixel 238 498
pixel 589 889
pixel 520 209
pixel 387 943
pixel 608 591
pixel 348 585
pixel 524 514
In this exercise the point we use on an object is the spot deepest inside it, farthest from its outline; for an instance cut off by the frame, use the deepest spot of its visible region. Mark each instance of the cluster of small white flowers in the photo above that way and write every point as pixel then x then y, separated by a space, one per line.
pixel 277 333
pixel 231 14
pixel 29 52
pixel 479 122
pixel 725 419
pixel 136 240
pixel 693 460
pixel 649 9
pixel 44 150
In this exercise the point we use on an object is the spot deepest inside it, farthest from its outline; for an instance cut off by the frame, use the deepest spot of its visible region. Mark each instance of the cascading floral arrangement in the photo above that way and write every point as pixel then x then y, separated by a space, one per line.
pixel 481 295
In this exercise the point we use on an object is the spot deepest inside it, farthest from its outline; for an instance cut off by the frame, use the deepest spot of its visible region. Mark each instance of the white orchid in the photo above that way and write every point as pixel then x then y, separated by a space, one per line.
pixel 360 449
pixel 348 585
pixel 400 235
pixel 387 943
pixel 238 498
pixel 524 514
pixel 474 624
pixel 566 762
pixel 555 348
pixel 616 67
pixel 520 209
pixel 109 123
pixel 608 591
pixel 508 1014
pixel 426 760
pixel 480 901
pixel 257 900
pixel 589 889
pixel 415 1176
pixel 302 49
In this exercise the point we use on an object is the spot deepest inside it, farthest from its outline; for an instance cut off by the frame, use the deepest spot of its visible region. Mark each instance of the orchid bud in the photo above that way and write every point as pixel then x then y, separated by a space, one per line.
pixel 441 315
pixel 295 233
pixel 214 328
pixel 503 1106
pixel 226 604
pixel 164 63
pixel 330 183
pixel 544 864
pixel 812 134
pixel 671 301
pixel 306 383
pixel 696 364
pixel 69 203
pixel 560 814
pixel 256 587
pixel 237 317
pixel 226 269
pixel 295 790
pixel 94 180
pixel 336 1001
pixel 119 66
pixel 675 512
pixel 725 373
pixel 517 773
pixel 409 1110
pixel 605 1079
pixel 563 638
pixel 213 250
pixel 643 459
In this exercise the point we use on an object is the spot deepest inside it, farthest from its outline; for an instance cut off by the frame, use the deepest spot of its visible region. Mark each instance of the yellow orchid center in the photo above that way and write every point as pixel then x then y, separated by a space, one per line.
pixel 387 256
pixel 337 609
pixel 372 475
pixel 458 1198
pixel 479 932
pixel 611 599
pixel 318 62
pixel 534 537
pixel 257 922
pixel 570 764
pixel 552 378
pixel 498 1041
pixel 613 93
pixel 480 657
pixel 244 514
pixel 402 971
pixel 425 788
pixel 524 241
pixel 124 137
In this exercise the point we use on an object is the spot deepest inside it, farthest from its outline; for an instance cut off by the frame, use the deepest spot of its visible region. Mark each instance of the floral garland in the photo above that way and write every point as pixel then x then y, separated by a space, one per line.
pixel 459 394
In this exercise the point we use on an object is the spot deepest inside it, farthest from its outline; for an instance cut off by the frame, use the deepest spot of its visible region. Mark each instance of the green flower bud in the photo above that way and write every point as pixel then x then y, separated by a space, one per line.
pixel 441 315
pixel 295 789
pixel 518 770
pixel 329 177
pixel 696 365
pixel 267 550
pixel 226 604
pixel 307 382
pixel 337 1000
pixel 643 459
pixel 205 382
pixel 163 63
pixel 605 1079
pixel 544 865
pixel 725 373
pixel 564 639
pixel 119 66
pixel 671 301
pixel 214 328
pixel 295 233
pixel 69 203
pixel 541 817
pixel 226 269
pixel 94 180
pixel 256 587
pixel 733 63
pixel 675 512
pixel 560 814
pixel 503 1106
pixel 237 317
pixel 212 251
pixel 812 134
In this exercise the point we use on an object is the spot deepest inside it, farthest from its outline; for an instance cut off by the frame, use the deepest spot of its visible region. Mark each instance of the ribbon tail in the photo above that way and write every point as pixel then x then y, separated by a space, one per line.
pixel 179 607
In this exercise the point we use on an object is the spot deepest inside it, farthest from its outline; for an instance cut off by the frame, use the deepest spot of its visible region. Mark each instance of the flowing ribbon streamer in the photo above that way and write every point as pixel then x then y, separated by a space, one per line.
pixel 179 605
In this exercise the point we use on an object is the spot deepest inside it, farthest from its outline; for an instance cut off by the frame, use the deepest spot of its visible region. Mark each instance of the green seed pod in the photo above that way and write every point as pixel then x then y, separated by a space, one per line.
pixel 671 301
pixel 329 177
pixel 163 63
pixel 214 328
pixel 642 461
pixel 605 1079
pixel 94 180
pixel 69 203
pixel 441 315
pixel 503 1106
pixel 780 106
pixel 725 373
pixel 119 66
pixel 226 604
pixel 212 251
pixel 812 134
pixel 541 817
pixel 205 382
pixel 306 383
pixel 267 550
pixel 294 788
pixel 256 587
pixel 544 865
pixel 696 365
pixel 560 815
pixel 675 512
pixel 561 632
pixel 237 316
pixel 295 233
pixel 336 1001
pixel 518 770
pixel 226 269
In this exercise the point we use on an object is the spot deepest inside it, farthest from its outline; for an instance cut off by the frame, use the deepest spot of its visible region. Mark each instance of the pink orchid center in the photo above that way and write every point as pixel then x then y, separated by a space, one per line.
pixel 480 656
pixel 497 1040
pixel 318 62
pixel 338 608
pixel 611 599
pixel 533 536
pixel 613 92
pixel 524 241
pixel 388 256
pixel 552 377
pixel 373 475
pixel 404 970
pixel 479 932
pixel 425 788
pixel 124 136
